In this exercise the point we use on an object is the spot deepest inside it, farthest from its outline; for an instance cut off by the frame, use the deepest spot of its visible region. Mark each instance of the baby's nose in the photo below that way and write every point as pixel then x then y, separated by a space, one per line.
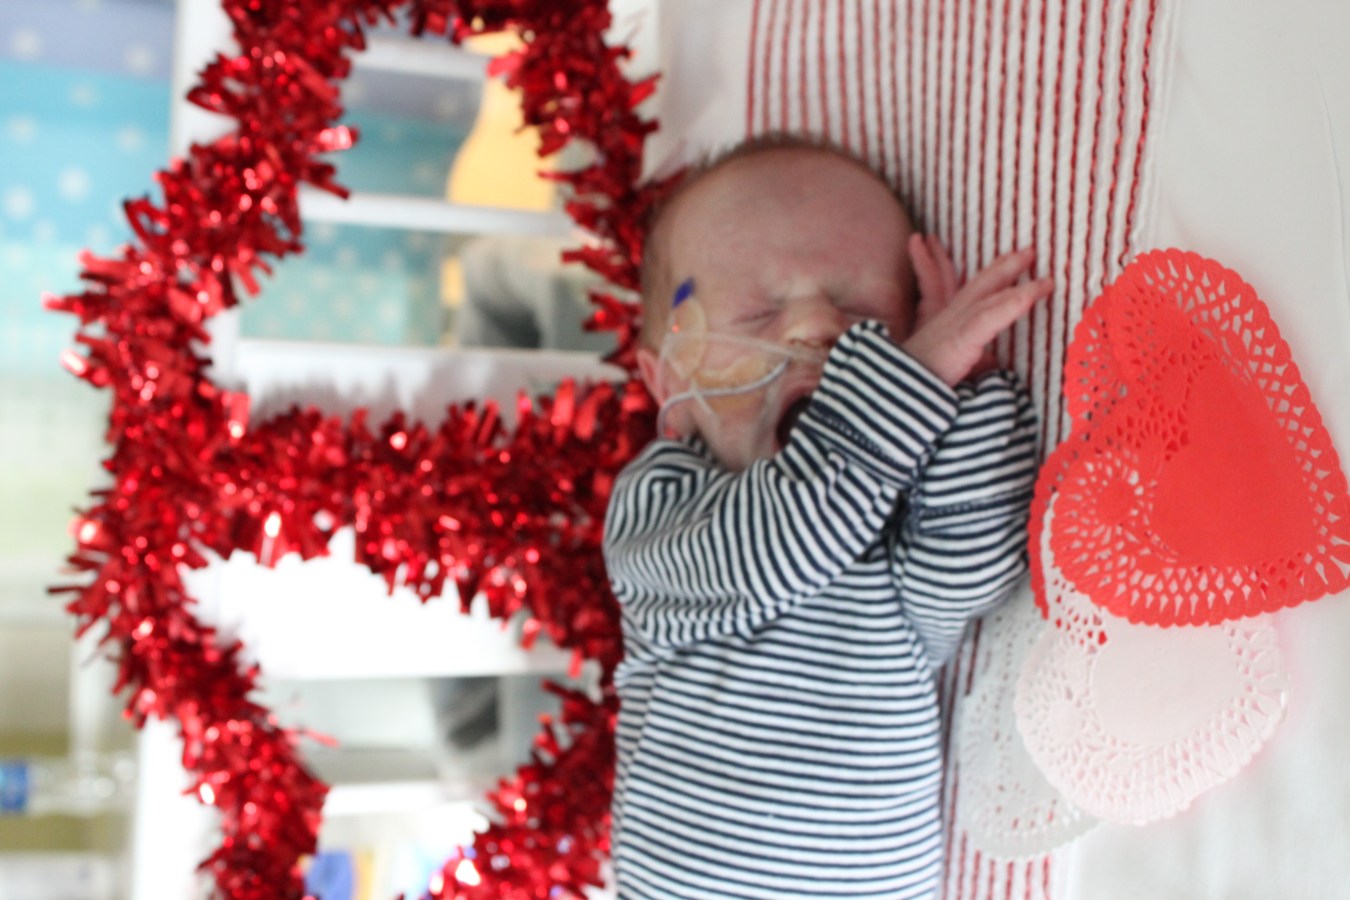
pixel 814 321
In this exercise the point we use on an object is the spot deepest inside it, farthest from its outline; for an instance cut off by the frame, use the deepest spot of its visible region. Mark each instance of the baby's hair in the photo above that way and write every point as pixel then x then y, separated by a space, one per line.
pixel 656 277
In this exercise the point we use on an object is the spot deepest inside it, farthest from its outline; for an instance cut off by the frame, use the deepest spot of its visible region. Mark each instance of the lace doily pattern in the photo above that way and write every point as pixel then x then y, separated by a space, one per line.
pixel 1199 485
pixel 1007 807
pixel 1133 722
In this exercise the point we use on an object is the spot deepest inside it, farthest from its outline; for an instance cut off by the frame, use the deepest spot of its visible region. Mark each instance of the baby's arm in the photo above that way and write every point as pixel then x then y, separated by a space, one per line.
pixel 696 552
pixel 960 550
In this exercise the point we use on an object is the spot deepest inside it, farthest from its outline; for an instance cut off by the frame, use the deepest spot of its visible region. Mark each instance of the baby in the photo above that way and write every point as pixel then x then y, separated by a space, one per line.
pixel 830 503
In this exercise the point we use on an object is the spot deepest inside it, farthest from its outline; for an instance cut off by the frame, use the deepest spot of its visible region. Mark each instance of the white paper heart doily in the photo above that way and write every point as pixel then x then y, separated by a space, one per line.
pixel 1004 803
pixel 1133 722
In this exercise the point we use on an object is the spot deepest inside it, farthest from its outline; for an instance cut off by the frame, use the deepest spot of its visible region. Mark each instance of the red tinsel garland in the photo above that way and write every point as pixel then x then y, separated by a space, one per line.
pixel 514 517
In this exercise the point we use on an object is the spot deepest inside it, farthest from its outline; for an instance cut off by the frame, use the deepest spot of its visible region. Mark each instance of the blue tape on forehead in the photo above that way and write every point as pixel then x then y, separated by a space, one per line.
pixel 683 292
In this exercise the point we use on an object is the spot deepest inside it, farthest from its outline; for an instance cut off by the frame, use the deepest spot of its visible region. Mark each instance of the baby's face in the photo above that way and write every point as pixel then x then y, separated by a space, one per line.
pixel 788 247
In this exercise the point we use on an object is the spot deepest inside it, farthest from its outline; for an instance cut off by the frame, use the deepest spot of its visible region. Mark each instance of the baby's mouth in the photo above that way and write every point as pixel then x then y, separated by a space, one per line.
pixel 789 419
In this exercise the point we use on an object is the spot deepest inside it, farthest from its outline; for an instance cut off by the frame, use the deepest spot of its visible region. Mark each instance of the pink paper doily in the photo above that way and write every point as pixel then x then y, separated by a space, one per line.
pixel 1199 484
pixel 1133 722
pixel 1004 803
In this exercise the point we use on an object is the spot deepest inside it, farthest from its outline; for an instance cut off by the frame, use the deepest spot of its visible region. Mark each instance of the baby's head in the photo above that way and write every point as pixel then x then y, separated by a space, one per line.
pixel 780 243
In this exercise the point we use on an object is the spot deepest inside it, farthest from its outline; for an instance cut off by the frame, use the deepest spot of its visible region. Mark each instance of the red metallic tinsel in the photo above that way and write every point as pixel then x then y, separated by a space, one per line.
pixel 513 516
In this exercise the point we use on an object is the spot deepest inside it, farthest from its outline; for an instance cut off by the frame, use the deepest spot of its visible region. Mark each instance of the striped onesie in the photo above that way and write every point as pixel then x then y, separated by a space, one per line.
pixel 778 733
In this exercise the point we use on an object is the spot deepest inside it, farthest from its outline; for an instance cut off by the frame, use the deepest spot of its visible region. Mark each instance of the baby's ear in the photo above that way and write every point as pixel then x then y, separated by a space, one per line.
pixel 649 366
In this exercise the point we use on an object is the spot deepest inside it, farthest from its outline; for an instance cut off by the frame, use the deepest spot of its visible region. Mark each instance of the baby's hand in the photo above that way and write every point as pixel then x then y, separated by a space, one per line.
pixel 955 323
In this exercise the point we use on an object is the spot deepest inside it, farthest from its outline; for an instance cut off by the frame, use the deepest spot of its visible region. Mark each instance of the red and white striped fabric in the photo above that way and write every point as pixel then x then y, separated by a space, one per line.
pixel 1004 124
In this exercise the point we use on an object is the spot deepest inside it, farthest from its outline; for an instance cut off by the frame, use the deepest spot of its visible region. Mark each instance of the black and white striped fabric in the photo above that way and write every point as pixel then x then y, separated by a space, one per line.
pixel 778 735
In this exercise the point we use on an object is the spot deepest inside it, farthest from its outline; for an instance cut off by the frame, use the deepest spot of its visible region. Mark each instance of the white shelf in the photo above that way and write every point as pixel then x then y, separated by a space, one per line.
pixel 379 798
pixel 416 56
pixel 48 874
pixel 421 381
pixel 332 618
pixel 414 213
pixel 368 782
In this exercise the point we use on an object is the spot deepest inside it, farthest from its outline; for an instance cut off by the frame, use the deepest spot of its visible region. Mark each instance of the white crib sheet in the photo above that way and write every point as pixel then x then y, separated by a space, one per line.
pixel 1251 163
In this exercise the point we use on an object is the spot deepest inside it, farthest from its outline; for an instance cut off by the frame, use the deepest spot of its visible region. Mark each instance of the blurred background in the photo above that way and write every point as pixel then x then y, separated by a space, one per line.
pixel 89 110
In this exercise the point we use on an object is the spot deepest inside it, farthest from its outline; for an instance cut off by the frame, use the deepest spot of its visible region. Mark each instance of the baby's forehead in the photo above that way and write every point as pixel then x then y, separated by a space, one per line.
pixel 780 182
pixel 778 195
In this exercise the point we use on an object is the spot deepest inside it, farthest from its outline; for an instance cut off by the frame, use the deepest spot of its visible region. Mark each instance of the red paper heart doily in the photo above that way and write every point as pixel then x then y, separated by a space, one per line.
pixel 1199 485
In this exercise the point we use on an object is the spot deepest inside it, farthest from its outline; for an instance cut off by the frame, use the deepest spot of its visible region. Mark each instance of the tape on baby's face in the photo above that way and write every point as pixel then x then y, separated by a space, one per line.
pixel 687 341
pixel 685 349
pixel 735 378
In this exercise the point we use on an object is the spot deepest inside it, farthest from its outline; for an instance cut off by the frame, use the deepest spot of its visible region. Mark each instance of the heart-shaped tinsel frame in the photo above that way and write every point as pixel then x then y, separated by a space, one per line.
pixel 514 517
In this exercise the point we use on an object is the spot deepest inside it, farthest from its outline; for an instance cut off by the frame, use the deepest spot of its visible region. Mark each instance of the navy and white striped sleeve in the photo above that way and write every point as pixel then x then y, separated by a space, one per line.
pixel 961 549
pixel 694 551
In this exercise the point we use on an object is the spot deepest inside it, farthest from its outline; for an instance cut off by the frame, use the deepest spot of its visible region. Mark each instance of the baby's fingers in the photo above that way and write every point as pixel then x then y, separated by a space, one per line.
pixel 1001 309
pixel 946 268
pixel 934 290
pixel 999 274
pixel 951 344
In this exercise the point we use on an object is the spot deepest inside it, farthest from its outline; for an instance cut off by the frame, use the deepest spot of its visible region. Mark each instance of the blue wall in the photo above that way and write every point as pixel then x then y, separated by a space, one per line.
pixel 84 107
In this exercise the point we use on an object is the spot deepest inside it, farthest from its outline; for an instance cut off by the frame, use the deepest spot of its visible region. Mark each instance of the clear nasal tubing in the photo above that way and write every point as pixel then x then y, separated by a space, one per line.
pixel 722 372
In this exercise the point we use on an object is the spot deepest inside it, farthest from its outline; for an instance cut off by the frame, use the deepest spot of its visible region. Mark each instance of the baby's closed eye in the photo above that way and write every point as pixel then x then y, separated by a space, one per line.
pixel 758 314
